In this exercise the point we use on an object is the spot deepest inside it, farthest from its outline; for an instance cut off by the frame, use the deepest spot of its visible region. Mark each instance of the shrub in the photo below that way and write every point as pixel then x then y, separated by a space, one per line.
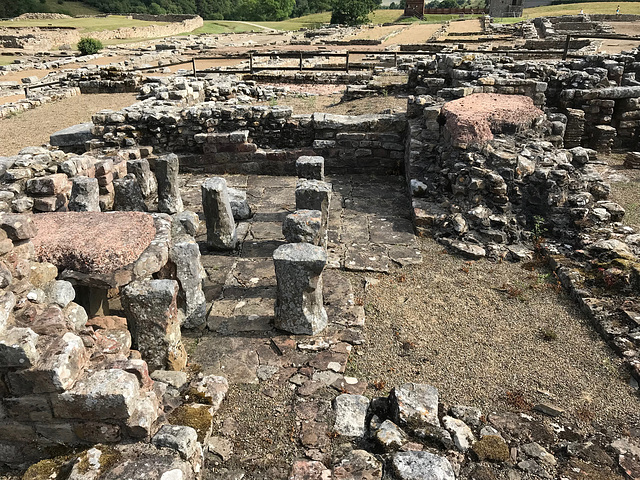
pixel 89 46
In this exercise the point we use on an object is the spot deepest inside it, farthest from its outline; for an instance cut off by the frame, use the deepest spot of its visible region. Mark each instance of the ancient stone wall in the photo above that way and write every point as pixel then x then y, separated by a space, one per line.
pixel 363 144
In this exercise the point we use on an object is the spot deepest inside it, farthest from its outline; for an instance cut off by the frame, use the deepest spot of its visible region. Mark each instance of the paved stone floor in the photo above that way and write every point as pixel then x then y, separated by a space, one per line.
pixel 369 227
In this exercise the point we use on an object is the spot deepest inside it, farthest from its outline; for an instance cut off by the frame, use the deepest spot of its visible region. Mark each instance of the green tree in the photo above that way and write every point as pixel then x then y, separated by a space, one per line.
pixel 449 4
pixel 353 12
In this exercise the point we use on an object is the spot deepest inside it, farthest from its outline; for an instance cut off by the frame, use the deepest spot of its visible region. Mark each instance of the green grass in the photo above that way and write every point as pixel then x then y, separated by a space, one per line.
pixel 6 60
pixel 308 21
pixel 589 7
pixel 508 20
pixel 87 25
pixel 215 27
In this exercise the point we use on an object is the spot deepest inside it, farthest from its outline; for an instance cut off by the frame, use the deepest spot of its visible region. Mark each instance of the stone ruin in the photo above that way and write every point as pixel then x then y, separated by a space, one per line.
pixel 104 259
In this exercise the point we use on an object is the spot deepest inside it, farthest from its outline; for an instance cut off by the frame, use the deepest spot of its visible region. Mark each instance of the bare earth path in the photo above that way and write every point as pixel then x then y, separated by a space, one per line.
pixel 33 127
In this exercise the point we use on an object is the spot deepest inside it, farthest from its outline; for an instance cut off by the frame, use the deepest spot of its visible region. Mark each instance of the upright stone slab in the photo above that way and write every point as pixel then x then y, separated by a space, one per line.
pixel 221 227
pixel 299 308
pixel 315 195
pixel 85 195
pixel 310 167
pixel 185 255
pixel 128 195
pixel 303 226
pixel 152 314
pixel 169 199
pixel 141 170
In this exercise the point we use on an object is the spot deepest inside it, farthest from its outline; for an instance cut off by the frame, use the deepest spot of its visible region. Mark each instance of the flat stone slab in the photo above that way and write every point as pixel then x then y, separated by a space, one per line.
pixel 475 118
pixel 92 242
pixel 72 136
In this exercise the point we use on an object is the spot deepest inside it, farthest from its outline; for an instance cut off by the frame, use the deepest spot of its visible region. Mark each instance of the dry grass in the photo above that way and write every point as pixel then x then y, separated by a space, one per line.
pixel 34 127
pixel 332 104
pixel 455 325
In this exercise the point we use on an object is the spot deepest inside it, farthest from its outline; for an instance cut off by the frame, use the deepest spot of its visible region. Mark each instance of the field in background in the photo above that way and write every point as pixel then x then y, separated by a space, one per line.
pixel 111 22
pixel 215 27
pixel 589 7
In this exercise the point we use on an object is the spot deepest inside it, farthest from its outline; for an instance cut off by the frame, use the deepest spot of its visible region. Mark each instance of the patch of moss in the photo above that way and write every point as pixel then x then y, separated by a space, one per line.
pixel 198 418
pixel 109 456
pixel 492 448
pixel 47 469
pixel 193 395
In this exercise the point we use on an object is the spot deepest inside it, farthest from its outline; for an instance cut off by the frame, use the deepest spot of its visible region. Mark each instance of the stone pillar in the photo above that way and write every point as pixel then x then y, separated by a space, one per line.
pixel 299 308
pixel 147 181
pixel 221 228
pixel 185 255
pixel 310 167
pixel 169 199
pixel 85 195
pixel 303 226
pixel 315 195
pixel 152 315
pixel 128 196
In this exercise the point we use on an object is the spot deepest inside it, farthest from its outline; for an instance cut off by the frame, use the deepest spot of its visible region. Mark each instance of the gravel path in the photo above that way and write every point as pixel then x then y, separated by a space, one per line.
pixel 456 325
pixel 33 127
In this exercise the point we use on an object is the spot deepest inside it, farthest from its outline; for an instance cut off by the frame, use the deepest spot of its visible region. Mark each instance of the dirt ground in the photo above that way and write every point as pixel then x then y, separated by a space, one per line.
pixel 476 331
pixel 465 26
pixel 414 34
pixel 33 127
pixel 332 104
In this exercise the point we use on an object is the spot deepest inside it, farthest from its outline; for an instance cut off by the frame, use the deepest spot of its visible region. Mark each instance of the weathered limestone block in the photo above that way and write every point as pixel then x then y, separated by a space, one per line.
pixel 310 167
pixel 49 185
pixel 185 255
pixel 146 179
pixel 169 199
pixel 128 195
pixel 422 466
pixel 415 405
pixel 152 313
pixel 58 368
pixel 85 195
pixel 105 394
pixel 351 414
pixel 18 348
pixel 299 308
pixel 18 227
pixel 7 302
pixel 315 195
pixel 140 424
pixel 221 227
pixel 185 222
pixel 303 226
pixel 239 205
pixel 60 292
pixel 180 438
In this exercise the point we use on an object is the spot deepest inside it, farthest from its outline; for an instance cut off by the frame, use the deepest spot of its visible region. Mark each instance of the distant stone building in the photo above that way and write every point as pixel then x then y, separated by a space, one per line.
pixel 505 8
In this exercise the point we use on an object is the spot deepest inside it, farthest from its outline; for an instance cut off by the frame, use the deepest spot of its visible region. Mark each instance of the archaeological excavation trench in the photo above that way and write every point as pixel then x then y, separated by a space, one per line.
pixel 208 284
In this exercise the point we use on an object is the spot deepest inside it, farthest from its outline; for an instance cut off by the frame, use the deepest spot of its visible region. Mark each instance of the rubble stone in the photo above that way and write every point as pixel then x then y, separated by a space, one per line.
pixel 169 198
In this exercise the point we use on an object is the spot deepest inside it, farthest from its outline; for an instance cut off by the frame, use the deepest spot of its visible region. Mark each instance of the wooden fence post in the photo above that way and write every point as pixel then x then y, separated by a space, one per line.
pixel 251 63
pixel 566 48
pixel 347 65
pixel 193 62
pixel 301 61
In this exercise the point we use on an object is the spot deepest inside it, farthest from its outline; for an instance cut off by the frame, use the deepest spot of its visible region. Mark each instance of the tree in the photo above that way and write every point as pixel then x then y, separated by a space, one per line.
pixel 353 12
pixel 449 4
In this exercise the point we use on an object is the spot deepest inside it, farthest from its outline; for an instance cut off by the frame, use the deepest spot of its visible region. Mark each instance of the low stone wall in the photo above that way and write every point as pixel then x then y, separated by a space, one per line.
pixel 360 144
pixel 572 84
